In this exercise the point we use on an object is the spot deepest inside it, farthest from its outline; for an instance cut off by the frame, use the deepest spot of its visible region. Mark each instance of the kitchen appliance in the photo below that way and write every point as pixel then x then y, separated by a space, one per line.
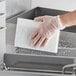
pixel 42 63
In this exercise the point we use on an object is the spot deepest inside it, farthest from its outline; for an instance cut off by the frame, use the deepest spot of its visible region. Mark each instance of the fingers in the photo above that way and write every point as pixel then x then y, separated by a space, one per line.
pixel 45 42
pixel 39 19
pixel 35 40
pixel 34 34
pixel 40 41
pixel 42 18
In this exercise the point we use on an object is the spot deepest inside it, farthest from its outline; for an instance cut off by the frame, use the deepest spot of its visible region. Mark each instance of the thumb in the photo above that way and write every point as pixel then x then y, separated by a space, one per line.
pixel 39 19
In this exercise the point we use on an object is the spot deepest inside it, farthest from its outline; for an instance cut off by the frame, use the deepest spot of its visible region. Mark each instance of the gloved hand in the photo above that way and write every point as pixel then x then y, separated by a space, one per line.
pixel 43 34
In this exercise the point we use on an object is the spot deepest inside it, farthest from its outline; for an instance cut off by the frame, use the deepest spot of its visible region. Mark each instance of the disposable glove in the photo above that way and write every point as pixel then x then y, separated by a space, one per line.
pixel 49 25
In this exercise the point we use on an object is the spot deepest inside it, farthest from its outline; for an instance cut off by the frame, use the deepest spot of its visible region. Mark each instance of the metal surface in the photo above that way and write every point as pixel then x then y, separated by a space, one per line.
pixel 19 73
pixel 37 63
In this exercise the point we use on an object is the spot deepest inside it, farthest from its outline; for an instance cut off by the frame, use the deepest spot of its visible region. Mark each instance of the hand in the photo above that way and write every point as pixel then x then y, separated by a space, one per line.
pixel 43 34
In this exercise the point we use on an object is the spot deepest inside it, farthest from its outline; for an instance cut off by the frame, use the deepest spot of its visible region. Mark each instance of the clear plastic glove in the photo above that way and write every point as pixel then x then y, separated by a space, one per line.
pixel 43 34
